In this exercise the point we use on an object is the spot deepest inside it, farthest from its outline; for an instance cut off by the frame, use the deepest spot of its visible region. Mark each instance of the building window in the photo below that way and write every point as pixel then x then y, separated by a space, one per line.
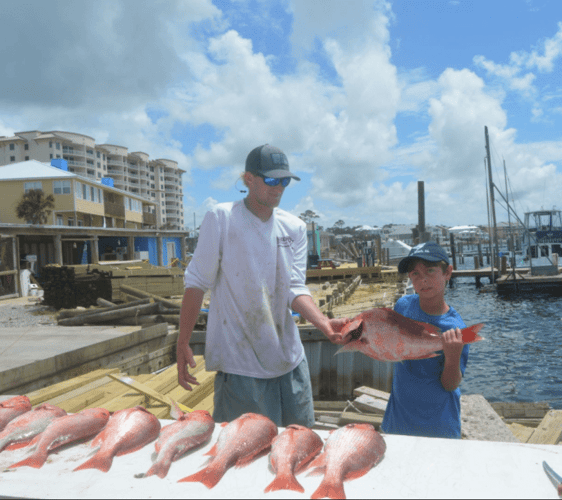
pixel 26 158
pixel 26 146
pixel 61 187
pixel 12 158
pixel 71 222
pixel 50 144
pixel 12 146
pixel 27 186
pixel 58 145
pixel 60 220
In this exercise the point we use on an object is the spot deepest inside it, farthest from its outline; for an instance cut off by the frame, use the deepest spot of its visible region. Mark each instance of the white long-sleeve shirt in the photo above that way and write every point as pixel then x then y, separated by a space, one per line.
pixel 254 270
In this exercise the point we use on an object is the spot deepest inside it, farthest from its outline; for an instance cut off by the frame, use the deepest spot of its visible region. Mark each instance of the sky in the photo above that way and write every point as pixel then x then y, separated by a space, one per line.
pixel 366 98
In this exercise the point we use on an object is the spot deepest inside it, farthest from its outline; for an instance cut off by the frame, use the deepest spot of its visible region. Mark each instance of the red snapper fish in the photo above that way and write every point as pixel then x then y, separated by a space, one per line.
pixel 24 428
pixel 239 443
pixel 350 452
pixel 12 408
pixel 386 335
pixel 190 430
pixel 291 452
pixel 65 430
pixel 127 431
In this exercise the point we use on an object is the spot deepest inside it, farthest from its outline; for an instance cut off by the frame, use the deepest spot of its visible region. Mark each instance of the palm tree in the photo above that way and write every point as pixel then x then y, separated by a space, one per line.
pixel 35 207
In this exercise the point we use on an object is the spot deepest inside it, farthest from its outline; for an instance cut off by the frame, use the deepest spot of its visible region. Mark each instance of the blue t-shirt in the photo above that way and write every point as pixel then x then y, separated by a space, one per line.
pixel 418 403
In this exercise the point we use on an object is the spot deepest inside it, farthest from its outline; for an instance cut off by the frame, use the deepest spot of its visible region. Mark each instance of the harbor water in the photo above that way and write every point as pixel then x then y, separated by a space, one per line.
pixel 520 359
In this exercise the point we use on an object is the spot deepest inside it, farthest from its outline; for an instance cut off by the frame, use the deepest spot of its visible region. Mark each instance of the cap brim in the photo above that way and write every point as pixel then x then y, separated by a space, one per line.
pixel 403 264
pixel 279 174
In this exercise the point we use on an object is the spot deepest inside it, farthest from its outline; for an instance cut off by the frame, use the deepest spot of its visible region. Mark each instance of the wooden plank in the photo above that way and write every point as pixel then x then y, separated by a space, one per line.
pixel 80 391
pixel 370 404
pixel 148 391
pixel 41 395
pixel 369 391
pixel 549 430
pixel 521 410
pixel 521 432
pixel 351 418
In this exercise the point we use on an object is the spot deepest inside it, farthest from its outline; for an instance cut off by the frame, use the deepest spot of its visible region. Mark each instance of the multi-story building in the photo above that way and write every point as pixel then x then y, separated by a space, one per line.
pixel 158 181
pixel 78 200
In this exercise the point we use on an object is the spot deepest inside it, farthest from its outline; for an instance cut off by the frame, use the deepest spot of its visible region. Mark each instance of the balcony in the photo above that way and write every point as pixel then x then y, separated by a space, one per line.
pixel 148 218
pixel 114 209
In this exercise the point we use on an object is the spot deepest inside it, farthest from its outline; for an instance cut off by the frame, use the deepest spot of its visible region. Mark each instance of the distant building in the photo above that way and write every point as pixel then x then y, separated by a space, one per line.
pixel 79 200
pixel 157 181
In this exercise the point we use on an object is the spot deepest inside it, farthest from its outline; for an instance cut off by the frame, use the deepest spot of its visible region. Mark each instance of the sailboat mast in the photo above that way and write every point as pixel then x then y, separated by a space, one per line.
pixel 492 203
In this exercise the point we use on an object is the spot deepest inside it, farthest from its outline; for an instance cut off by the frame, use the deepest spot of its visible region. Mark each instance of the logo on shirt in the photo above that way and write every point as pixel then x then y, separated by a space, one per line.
pixel 284 241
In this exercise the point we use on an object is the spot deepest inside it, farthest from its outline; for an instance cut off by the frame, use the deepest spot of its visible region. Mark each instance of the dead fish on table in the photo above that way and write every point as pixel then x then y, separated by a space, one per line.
pixel 21 430
pixel 239 443
pixel 127 431
pixel 65 430
pixel 291 452
pixel 12 408
pixel 190 430
pixel 386 335
pixel 350 452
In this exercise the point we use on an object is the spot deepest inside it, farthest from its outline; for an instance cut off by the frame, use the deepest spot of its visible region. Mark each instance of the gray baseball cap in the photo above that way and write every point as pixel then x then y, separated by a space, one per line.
pixel 269 161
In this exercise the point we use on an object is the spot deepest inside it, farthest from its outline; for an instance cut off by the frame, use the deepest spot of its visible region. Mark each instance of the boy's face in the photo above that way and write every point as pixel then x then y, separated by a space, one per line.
pixel 429 279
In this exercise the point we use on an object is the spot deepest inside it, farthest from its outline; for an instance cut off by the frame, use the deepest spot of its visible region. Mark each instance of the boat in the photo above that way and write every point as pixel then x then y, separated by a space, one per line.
pixel 542 241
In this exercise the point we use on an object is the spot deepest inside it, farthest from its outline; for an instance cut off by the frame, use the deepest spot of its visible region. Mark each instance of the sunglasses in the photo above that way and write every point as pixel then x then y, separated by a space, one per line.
pixel 272 182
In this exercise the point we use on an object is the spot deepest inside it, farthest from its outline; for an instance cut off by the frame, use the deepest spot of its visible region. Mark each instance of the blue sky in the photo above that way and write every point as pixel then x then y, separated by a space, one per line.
pixel 366 98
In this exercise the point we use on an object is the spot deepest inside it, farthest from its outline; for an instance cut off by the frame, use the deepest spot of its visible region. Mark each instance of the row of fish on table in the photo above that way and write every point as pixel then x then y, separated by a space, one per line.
pixel 349 452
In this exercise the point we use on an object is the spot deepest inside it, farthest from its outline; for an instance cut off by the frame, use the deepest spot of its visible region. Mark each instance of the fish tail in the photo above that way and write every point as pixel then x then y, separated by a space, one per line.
pixel 285 482
pixel 329 489
pixel 159 469
pixel 210 476
pixel 470 334
pixel 37 460
pixel 98 461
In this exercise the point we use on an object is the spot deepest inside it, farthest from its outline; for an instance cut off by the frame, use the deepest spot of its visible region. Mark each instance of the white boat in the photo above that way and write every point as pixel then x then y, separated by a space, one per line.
pixel 542 240
pixel 397 250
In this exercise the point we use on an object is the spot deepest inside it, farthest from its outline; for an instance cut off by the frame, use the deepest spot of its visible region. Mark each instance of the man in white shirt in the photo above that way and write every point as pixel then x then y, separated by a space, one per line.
pixel 252 256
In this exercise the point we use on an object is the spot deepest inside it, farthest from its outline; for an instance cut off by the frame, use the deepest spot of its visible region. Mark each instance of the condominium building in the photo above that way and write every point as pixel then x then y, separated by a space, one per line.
pixel 158 180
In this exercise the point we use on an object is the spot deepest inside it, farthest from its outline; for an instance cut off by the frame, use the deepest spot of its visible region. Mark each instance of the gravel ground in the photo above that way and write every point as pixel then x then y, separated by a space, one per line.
pixel 25 312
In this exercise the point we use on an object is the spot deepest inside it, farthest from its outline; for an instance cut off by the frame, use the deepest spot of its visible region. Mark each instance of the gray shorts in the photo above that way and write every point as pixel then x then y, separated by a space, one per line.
pixel 285 400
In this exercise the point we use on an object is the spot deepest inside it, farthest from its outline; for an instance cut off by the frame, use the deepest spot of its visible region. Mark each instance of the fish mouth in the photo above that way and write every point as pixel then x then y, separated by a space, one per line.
pixel 356 334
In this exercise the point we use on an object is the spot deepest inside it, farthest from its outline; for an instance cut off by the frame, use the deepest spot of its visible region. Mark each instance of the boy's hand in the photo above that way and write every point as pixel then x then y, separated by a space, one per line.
pixel 452 343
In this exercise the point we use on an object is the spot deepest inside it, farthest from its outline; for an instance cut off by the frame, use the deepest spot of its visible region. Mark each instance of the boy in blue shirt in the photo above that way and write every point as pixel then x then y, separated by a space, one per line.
pixel 425 396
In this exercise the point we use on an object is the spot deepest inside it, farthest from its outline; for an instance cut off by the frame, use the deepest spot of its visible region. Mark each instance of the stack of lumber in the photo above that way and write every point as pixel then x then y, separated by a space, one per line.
pixel 533 423
pixel 368 406
pixel 63 287
pixel 100 389
pixel 144 309
pixel 82 285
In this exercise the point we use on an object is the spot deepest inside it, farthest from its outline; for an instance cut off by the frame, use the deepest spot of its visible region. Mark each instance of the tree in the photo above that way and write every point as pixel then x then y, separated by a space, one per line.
pixel 308 216
pixel 339 224
pixel 35 207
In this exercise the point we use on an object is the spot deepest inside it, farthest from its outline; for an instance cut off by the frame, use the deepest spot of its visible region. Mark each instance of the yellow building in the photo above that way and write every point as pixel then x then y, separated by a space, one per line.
pixel 79 201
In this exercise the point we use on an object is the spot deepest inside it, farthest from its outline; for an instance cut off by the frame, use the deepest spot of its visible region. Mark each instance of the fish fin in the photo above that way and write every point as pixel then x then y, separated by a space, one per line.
pixel 305 464
pixel 319 462
pixel 470 334
pixel 159 469
pixel 329 489
pixel 241 462
pixel 19 444
pixel 209 476
pixel 285 482
pixel 36 460
pixel 98 461
pixel 427 356
pixel 213 451
pixel 354 474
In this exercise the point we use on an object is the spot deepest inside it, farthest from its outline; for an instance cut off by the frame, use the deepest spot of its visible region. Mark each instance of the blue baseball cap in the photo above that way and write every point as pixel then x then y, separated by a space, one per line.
pixel 429 251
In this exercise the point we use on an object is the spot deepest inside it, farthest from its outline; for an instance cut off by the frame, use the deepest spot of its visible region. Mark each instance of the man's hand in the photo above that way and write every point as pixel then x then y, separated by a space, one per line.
pixel 334 333
pixel 185 357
